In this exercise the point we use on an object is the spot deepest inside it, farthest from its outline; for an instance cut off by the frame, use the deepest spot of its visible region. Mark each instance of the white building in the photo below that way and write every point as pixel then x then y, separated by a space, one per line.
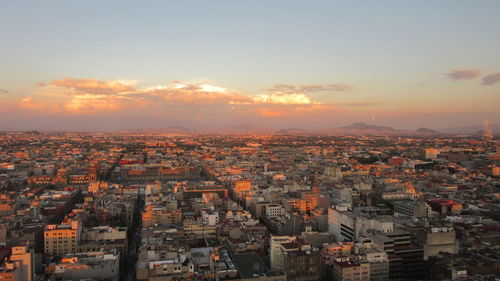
pixel 275 249
pixel 349 225
pixel 210 217
pixel 274 210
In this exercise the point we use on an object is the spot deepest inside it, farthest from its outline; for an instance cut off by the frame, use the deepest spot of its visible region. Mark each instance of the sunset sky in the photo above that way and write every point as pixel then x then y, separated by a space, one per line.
pixel 95 65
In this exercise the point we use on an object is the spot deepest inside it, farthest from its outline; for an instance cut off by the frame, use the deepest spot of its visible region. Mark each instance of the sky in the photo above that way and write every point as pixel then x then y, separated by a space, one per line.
pixel 113 65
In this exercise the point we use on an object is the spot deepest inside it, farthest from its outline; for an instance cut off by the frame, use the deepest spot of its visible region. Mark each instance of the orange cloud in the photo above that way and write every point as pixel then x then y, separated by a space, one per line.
pixel 88 103
pixel 197 94
pixel 94 96
pixel 95 86
pixel 39 106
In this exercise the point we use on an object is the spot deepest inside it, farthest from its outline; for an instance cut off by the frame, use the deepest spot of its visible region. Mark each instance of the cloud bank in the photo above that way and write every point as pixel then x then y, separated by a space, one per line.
pixel 463 74
pixel 491 79
pixel 86 100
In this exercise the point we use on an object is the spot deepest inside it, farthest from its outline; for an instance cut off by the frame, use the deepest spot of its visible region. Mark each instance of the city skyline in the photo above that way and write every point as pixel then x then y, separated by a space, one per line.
pixel 83 66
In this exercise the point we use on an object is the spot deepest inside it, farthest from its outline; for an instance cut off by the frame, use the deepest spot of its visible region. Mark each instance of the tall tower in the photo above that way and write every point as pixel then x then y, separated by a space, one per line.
pixel 93 171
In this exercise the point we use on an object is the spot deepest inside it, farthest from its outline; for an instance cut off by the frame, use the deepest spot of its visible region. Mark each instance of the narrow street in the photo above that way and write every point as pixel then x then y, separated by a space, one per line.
pixel 134 242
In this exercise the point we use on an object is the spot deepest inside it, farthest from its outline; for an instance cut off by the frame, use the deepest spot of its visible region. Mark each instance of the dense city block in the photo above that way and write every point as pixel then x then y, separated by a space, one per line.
pixel 130 206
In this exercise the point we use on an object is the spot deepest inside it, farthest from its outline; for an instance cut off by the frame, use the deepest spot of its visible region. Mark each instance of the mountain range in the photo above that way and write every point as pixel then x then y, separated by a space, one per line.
pixel 358 128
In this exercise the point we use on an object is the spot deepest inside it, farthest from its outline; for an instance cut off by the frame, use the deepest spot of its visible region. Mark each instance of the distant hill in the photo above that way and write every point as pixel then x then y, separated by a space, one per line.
pixel 426 131
pixel 367 127
pixel 358 129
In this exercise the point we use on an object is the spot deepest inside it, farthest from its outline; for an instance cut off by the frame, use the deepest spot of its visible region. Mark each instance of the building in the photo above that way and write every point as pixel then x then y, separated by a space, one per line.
pixel 10 270
pixel 411 208
pixel 445 206
pixel 431 153
pixel 62 239
pixel 437 240
pixel 25 256
pixel 406 260
pixel 104 233
pixel 495 170
pixel 379 265
pixel 333 250
pixel 189 192
pixel 87 266
pixel 275 251
pixel 93 172
pixel 298 260
pixel 164 263
pixel 251 267
pixel 210 217
pixel 349 225
pixel 347 269
pixel 160 216
pixel 241 188
pixel 17 263
pixel 274 210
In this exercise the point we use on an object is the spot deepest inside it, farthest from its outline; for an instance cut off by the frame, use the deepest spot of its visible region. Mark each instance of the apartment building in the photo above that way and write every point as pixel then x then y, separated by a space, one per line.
pixel 62 239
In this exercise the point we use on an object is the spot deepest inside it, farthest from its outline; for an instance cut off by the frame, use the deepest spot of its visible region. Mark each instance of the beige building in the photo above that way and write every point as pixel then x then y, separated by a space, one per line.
pixel 62 239
pixel 160 216
pixel 345 269
pixel 24 256
pixel 437 240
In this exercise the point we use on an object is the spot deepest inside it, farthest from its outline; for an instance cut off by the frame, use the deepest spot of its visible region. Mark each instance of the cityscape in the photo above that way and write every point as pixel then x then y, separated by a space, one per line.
pixel 258 140
pixel 136 206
